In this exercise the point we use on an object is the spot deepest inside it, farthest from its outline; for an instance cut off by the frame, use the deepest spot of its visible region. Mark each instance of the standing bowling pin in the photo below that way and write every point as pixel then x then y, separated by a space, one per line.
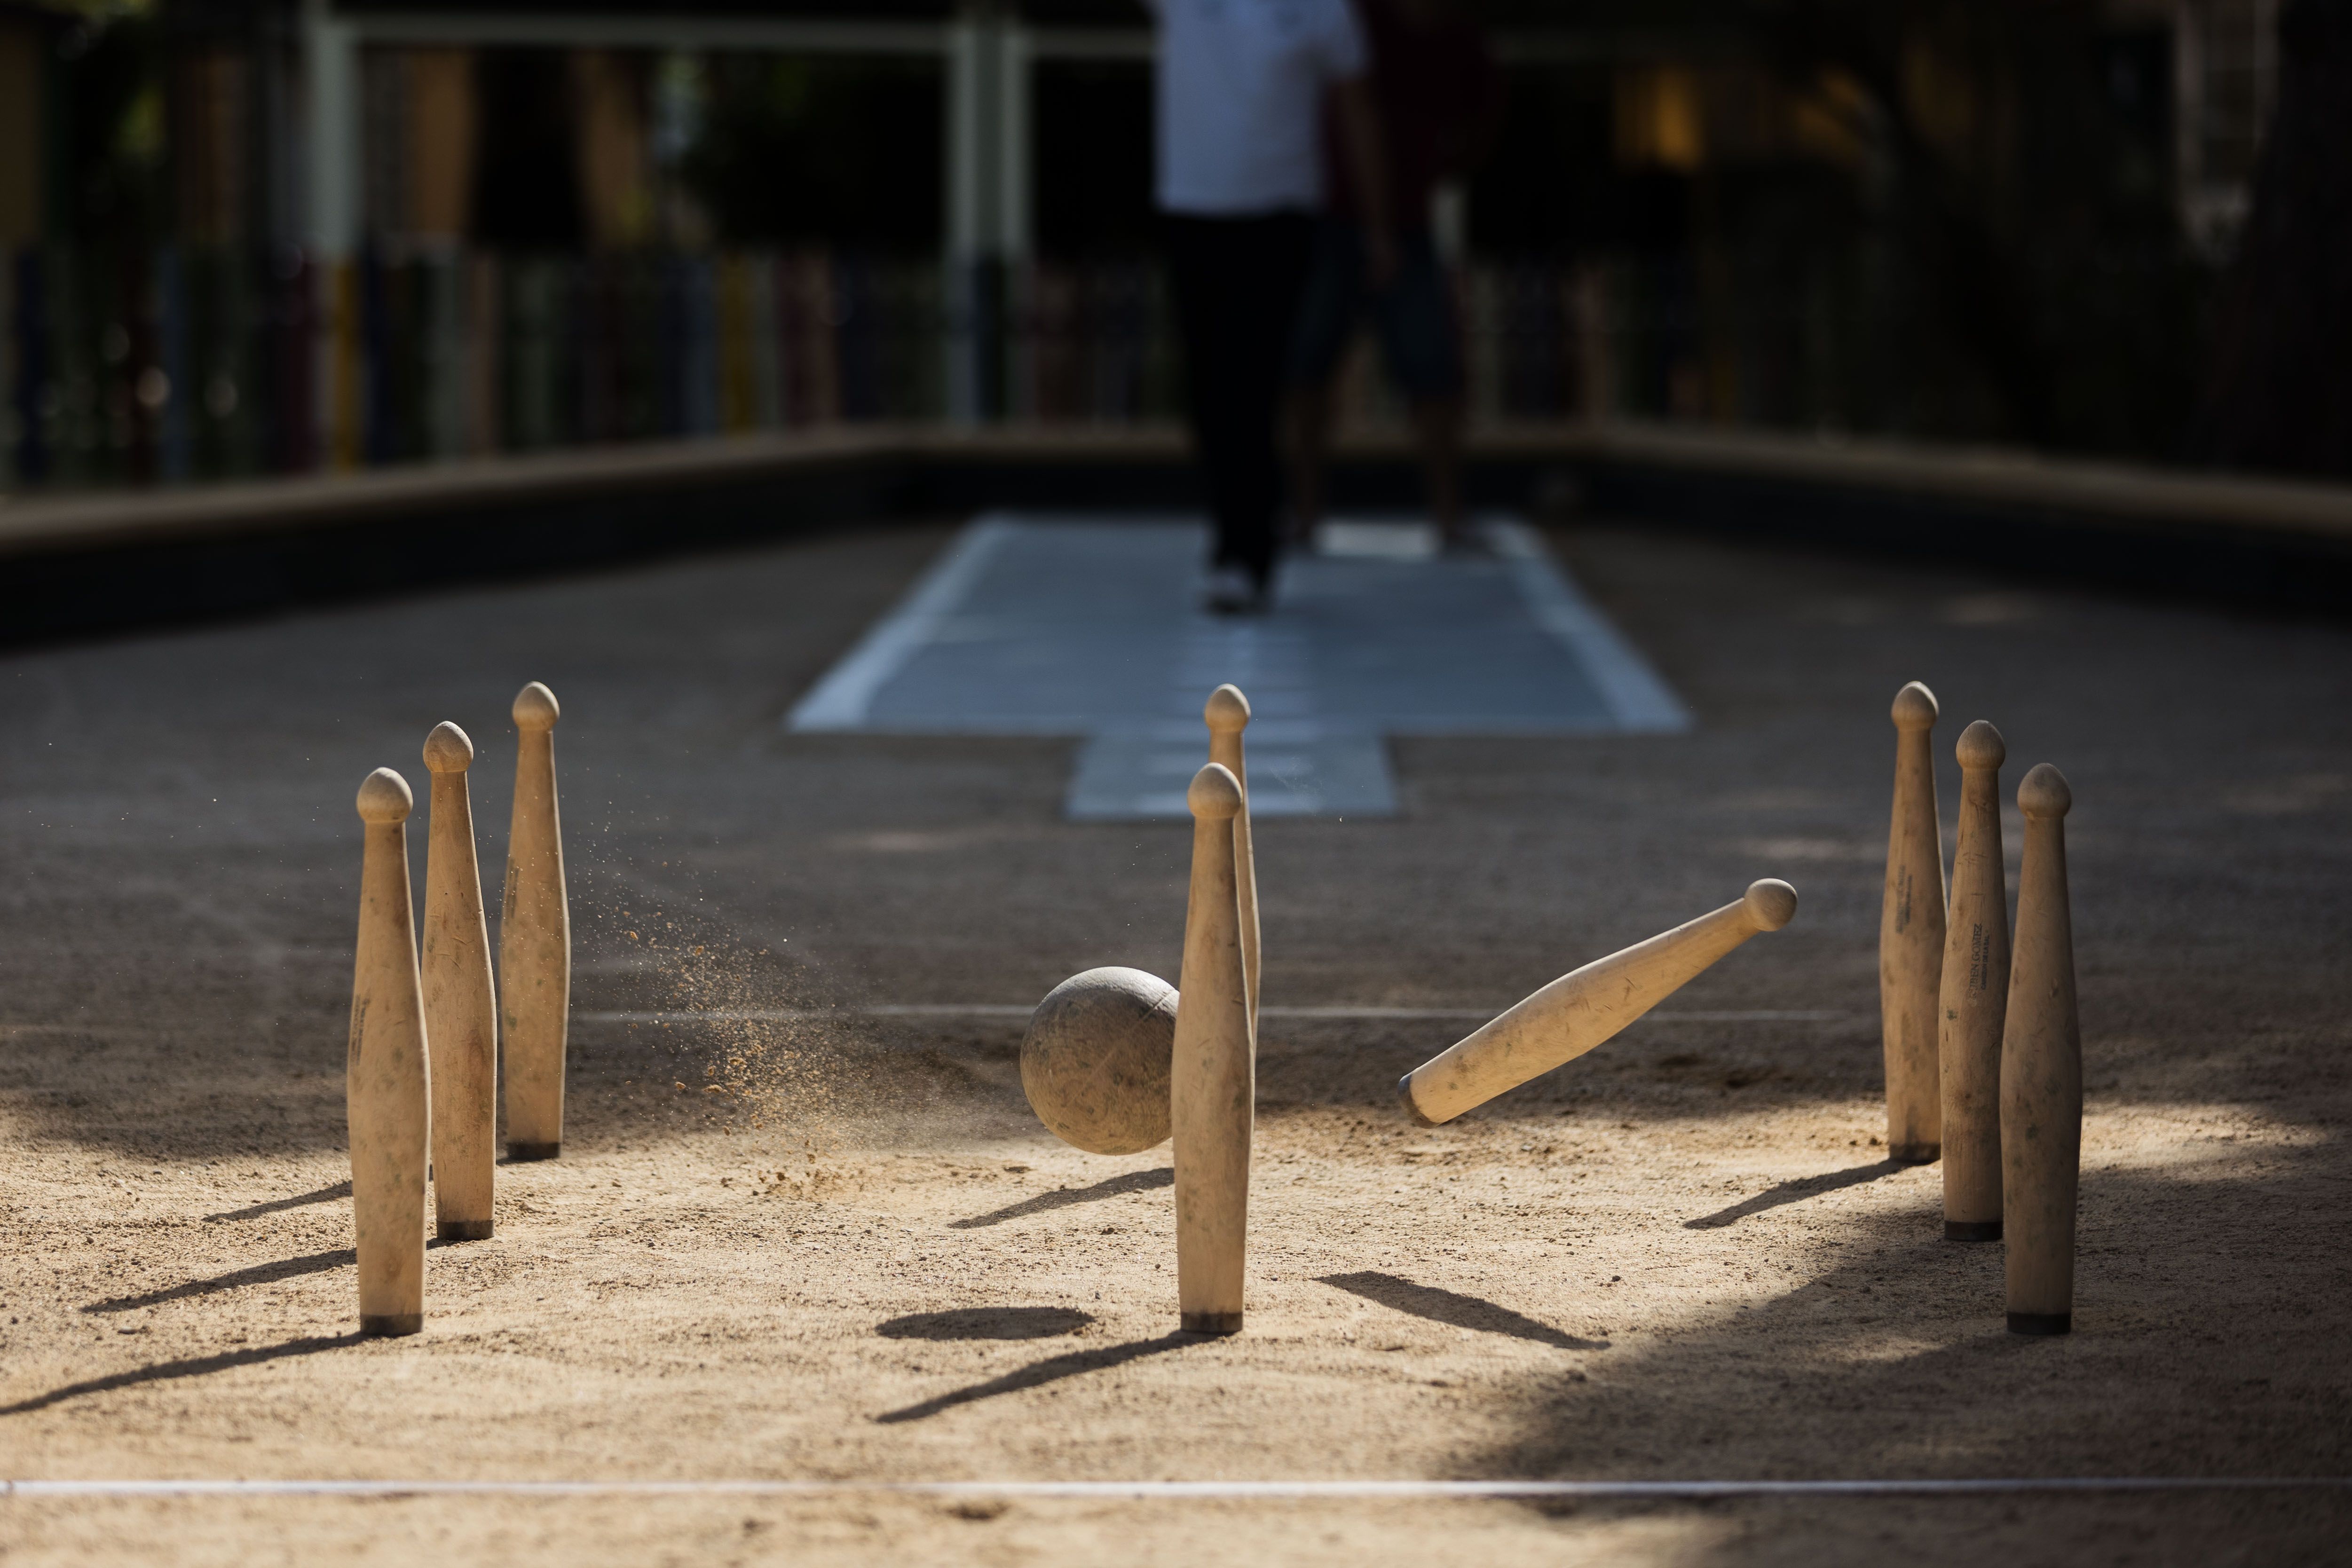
pixel 1975 994
pixel 535 940
pixel 461 1010
pixel 386 1078
pixel 1911 938
pixel 1228 714
pixel 2042 1073
pixel 1212 1087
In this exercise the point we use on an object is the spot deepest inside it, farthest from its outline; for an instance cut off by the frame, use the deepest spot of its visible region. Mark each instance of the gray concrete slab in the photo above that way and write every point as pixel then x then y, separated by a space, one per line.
pixel 1036 624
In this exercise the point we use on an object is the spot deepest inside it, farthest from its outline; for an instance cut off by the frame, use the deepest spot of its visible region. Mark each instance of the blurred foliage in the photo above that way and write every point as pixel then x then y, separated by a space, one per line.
pixel 842 149
pixel 114 180
pixel 2278 389
pixel 1948 218
pixel 2033 224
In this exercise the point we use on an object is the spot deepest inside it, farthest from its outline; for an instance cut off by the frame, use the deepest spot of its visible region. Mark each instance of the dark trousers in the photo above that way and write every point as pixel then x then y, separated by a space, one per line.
pixel 1237 283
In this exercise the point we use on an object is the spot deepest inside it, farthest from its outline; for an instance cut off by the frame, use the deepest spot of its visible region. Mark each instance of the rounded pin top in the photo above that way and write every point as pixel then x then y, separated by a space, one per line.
pixel 1914 707
pixel 2044 793
pixel 534 707
pixel 448 749
pixel 384 798
pixel 1215 793
pixel 1771 903
pixel 1981 746
pixel 1227 709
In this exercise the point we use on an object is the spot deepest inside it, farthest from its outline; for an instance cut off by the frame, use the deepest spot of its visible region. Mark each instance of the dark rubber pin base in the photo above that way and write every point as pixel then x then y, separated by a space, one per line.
pixel 518 1153
pixel 2042 1323
pixel 1915 1153
pixel 1972 1230
pixel 463 1231
pixel 1212 1322
pixel 1404 1094
pixel 390 1325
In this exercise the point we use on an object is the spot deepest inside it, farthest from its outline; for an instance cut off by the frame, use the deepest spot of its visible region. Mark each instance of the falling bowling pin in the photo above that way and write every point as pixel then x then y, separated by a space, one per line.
pixel 1585 1008
pixel 535 940
pixel 1228 714
pixel 2042 1073
pixel 1911 938
pixel 461 1010
pixel 1213 1084
pixel 1974 996
pixel 385 1073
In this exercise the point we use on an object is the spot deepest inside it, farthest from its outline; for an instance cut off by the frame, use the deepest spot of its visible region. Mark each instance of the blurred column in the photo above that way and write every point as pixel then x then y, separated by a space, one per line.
pixel 330 190
pixel 330 55
pixel 1011 145
pixel 971 39
pixel 987 197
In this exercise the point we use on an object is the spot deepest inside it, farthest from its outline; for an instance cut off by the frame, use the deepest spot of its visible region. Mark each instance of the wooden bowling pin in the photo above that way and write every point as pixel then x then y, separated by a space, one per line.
pixel 535 940
pixel 1974 996
pixel 1584 1008
pixel 461 1010
pixel 2042 1073
pixel 385 1075
pixel 1228 714
pixel 1911 938
pixel 1213 1088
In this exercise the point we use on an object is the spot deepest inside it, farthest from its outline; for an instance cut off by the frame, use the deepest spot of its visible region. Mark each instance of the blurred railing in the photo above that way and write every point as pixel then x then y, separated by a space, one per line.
pixel 189 364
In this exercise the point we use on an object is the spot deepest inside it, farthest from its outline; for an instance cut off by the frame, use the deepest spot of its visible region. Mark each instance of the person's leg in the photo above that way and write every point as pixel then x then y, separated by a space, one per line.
pixel 1438 421
pixel 1236 282
pixel 1311 443
pixel 1421 340
pixel 1266 302
pixel 1213 266
pixel 1329 305
pixel 1196 279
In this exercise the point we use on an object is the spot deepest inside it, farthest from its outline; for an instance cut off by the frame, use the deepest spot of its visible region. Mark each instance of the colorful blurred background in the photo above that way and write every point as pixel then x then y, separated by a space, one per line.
pixel 257 237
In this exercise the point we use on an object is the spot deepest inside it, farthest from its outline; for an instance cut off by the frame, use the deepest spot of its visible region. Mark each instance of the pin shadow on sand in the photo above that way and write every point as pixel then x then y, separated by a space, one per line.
pixel 1795 1191
pixel 280 1205
pixel 1046 1202
pixel 259 1274
pixel 1072 1363
pixel 1452 1307
pixel 987 1322
pixel 194 1366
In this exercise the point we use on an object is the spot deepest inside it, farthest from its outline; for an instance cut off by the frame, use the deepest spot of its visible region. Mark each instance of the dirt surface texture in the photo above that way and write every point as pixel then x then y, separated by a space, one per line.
pixel 804 1226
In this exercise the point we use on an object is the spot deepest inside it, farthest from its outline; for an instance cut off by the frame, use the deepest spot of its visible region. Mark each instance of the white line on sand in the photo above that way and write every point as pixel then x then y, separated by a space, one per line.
pixel 1180 1489
pixel 988 1010
pixel 1022 1010
pixel 1637 693
pixel 841 699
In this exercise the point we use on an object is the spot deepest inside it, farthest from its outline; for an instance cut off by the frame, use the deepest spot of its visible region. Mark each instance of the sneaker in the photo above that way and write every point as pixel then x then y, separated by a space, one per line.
pixel 1233 592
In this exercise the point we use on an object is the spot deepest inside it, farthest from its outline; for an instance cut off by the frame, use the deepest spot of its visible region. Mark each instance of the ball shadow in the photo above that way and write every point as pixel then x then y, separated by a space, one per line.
pixel 987 1322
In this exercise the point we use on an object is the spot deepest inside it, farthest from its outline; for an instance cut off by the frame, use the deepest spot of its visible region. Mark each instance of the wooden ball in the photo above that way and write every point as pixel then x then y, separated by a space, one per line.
pixel 1096 1060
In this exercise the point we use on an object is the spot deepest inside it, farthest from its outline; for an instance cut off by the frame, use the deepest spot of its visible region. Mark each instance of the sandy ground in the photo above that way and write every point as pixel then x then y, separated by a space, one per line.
pixel 837 1246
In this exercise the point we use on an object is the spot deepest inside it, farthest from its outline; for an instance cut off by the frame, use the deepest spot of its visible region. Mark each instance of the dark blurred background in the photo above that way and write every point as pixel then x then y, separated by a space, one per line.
pixel 246 237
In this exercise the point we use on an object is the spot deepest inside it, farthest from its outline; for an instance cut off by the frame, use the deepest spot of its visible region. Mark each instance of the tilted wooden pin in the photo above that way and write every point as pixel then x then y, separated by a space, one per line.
pixel 1911 938
pixel 535 941
pixel 461 1010
pixel 1585 1008
pixel 1212 1087
pixel 1228 714
pixel 1974 996
pixel 385 1076
pixel 2042 1073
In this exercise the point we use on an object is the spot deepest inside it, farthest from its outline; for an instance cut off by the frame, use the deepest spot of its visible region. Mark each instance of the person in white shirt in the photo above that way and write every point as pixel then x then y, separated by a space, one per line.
pixel 1242 84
